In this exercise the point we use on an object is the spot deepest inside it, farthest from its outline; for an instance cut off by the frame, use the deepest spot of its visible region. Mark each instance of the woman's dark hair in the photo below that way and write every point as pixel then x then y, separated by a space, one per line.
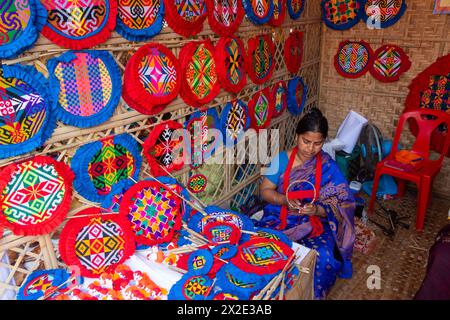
pixel 313 121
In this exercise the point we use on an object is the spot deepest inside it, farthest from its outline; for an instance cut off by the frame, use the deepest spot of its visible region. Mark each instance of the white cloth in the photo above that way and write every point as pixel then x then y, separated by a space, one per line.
pixel 8 294
pixel 350 130
pixel 332 146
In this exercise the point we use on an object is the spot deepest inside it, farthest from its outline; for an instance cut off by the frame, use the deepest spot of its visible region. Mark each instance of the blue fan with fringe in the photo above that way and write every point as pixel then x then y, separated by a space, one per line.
pixel 200 262
pixel 269 234
pixel 294 106
pixel 232 279
pixel 191 287
pixel 139 33
pixel 32 287
pixel 341 24
pixel 382 24
pixel 28 119
pixel 292 13
pixel 235 109
pixel 251 14
pixel 77 105
pixel 25 38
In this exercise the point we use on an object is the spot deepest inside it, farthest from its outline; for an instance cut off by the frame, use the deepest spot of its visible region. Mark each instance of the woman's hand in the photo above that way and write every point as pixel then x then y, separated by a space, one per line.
pixel 312 209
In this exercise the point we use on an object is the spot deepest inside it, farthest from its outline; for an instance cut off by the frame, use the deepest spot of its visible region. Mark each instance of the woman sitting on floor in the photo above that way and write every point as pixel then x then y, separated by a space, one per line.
pixel 327 224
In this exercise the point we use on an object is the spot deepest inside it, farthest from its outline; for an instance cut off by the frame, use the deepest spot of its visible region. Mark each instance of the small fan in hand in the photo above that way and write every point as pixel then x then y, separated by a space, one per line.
pixel 299 194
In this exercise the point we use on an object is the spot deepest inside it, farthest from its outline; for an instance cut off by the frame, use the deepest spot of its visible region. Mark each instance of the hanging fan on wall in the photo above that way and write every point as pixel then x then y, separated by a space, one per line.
pixel 375 148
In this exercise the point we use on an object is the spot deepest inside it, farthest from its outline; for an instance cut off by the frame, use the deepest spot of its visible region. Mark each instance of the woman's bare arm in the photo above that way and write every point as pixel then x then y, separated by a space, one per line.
pixel 269 193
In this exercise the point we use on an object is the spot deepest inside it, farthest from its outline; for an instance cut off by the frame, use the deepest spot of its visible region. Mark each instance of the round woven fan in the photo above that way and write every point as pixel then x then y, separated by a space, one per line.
pixel 139 20
pixel 96 242
pixel 79 24
pixel 87 86
pixel 262 256
pixel 234 121
pixel 230 60
pixel 163 150
pixel 20 24
pixel 26 119
pixel 205 138
pixel 295 8
pixel 296 95
pixel 198 221
pixel 200 82
pixel 224 16
pixel 224 251
pixel 153 210
pixel 269 234
pixel 99 165
pixel 341 14
pixel 222 295
pixel 353 59
pixel 35 195
pixel 260 63
pixel 185 17
pixel 260 108
pixel 293 51
pixel 191 287
pixel 242 282
pixel 389 63
pixel 219 232
pixel 279 98
pixel 279 13
pixel 258 11
pixel 152 79
pixel 382 13
pixel 42 283
pixel 200 262
pixel 197 183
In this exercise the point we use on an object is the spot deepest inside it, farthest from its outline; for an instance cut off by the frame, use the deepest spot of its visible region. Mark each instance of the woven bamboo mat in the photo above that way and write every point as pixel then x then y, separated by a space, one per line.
pixel 402 260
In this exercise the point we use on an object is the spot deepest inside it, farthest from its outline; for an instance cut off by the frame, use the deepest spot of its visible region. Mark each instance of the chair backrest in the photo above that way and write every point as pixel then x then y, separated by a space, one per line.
pixel 428 121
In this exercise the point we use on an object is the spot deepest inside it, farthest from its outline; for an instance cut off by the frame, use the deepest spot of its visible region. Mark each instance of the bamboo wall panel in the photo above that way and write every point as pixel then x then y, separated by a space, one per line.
pixel 234 184
pixel 423 35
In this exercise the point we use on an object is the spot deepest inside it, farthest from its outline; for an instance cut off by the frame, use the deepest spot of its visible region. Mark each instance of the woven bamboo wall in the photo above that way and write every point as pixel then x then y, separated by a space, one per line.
pixel 423 35
pixel 29 253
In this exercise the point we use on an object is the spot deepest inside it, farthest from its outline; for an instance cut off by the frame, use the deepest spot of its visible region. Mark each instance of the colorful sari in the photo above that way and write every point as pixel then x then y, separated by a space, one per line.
pixel 335 243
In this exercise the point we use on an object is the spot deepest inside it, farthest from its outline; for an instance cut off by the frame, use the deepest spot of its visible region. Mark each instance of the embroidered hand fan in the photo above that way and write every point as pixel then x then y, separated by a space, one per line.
pixel 87 86
pixel 111 202
pixel 191 287
pixel 20 24
pixel 152 79
pixel 79 24
pixel 42 283
pixel 185 17
pixel 197 183
pixel 219 232
pixel 262 256
pixel 260 108
pixel 200 262
pixel 268 234
pixel 258 11
pixel 431 89
pixel 222 295
pixel 382 13
pixel 139 20
pixel 260 64
pixel 224 251
pixel 279 98
pixel 389 63
pixel 96 242
pixel 153 210
pixel 204 128
pixel 353 59
pixel 293 51
pixel 163 149
pixel 224 16
pixel 35 195
pixel 234 121
pixel 26 119
pixel 99 165
pixel 279 13
pixel 230 60
pixel 200 82
pixel 341 14
pixel 232 279
pixel 296 95
pixel 198 221
pixel 295 8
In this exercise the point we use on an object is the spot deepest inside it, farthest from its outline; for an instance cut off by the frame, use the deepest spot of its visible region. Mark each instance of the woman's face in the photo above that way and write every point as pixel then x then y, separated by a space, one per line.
pixel 309 144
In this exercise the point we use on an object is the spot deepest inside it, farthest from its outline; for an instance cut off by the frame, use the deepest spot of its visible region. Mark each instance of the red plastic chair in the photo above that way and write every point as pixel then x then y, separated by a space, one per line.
pixel 424 176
